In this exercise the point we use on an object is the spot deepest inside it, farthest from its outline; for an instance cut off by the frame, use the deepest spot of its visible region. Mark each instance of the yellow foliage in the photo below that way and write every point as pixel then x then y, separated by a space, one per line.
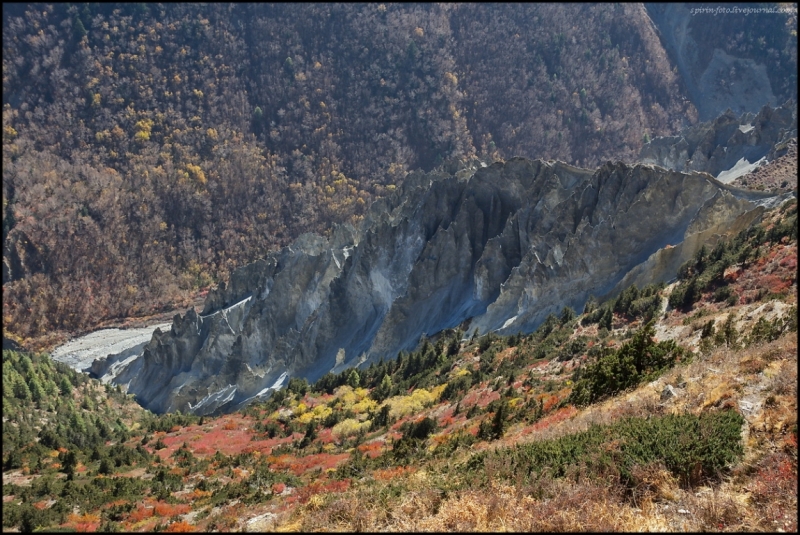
pixel 142 136
pixel 197 172
pixel 320 412
pixel 350 397
pixel 420 398
pixel 514 402
pixel 96 100
pixel 211 133
pixel 301 408
pixel 418 32
pixel 350 427
pixel 305 418
pixel 145 125
pixel 365 405
pixel 10 132
pixel 461 372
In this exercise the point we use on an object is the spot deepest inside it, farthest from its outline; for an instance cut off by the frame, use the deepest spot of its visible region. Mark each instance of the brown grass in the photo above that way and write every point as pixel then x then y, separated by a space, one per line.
pixel 759 495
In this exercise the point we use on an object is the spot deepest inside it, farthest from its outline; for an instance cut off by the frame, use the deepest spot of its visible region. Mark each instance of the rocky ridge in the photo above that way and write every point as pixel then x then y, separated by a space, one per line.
pixel 493 248
pixel 729 146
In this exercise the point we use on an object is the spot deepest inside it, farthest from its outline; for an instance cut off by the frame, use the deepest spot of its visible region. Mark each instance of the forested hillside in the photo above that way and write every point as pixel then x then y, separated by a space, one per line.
pixel 149 149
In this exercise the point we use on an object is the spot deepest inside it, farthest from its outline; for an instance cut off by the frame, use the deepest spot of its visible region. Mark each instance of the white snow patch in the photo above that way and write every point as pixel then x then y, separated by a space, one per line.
pixel 745 128
pixel 219 397
pixel 279 382
pixel 225 311
pixel 264 391
pixel 741 168
pixel 509 321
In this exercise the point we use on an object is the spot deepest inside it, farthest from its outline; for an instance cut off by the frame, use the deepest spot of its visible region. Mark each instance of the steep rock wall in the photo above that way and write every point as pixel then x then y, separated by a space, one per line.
pixel 502 248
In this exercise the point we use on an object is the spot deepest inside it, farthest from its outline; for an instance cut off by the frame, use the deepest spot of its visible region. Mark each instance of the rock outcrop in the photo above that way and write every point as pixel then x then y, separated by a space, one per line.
pixel 502 247
pixel 727 145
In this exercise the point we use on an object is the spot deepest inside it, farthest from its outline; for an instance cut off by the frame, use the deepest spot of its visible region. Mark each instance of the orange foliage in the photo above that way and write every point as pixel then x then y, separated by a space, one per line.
pixel 169 510
pixel 140 513
pixel 85 523
pixel 374 446
pixel 391 473
pixel 199 494
pixel 229 426
pixel 549 403
pixel 180 527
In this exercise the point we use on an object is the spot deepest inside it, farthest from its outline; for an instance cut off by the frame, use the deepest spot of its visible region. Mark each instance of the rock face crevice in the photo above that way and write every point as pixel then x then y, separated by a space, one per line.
pixel 502 247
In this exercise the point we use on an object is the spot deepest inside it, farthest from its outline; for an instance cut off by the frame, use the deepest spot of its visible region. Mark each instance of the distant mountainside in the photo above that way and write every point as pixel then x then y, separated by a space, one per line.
pixel 150 149
pixel 501 246
pixel 735 56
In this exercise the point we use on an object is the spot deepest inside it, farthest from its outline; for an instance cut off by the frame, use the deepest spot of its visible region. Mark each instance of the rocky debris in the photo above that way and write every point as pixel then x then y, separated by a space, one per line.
pixel 668 393
pixel 779 174
pixel 501 250
pixel 107 344
pixel 729 146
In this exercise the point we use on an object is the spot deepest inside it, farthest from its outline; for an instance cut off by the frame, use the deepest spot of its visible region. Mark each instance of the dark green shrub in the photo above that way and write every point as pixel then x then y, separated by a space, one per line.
pixel 693 448
pixel 614 371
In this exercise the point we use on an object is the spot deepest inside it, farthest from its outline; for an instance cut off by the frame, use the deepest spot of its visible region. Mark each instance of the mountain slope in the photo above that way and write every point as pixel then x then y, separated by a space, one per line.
pixel 503 248
pixel 479 434
pixel 150 150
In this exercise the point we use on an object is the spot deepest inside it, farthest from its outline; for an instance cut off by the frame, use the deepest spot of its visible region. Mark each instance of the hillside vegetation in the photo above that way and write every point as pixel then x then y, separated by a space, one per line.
pixel 636 417
pixel 150 149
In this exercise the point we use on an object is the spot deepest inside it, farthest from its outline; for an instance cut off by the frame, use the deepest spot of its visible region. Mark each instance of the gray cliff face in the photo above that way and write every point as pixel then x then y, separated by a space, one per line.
pixel 716 147
pixel 502 248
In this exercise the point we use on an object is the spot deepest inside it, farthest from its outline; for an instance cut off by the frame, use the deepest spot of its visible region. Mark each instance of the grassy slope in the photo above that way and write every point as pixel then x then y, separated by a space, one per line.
pixel 248 470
